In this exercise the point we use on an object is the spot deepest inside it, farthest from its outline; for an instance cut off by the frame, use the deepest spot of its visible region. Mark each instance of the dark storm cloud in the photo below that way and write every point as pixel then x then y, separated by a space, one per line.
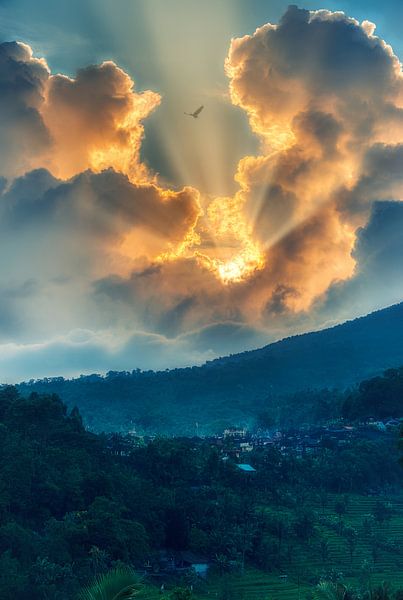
pixel 100 205
pixel 381 178
pixel 67 234
pixel 379 246
pixel 170 298
pixel 378 279
pixel 23 133
pixel 226 337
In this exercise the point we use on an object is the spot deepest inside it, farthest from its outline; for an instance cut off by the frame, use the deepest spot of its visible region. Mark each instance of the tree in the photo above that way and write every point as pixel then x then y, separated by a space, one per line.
pixel 331 590
pixel 323 498
pixel 324 550
pixel 119 584
pixel 304 525
pixel 176 529
pixel 50 578
pixel 340 508
pixel 280 529
pixel 222 563
pixel 265 420
pixel 181 593
pixel 375 542
pixel 382 592
pixel 368 526
pixel 12 580
pixel 365 577
pixel 381 512
pixel 99 559
pixel 351 536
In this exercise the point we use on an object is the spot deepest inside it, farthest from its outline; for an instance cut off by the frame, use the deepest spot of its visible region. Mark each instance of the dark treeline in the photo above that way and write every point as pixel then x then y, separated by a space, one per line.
pixel 380 397
pixel 107 405
pixel 236 388
pixel 74 504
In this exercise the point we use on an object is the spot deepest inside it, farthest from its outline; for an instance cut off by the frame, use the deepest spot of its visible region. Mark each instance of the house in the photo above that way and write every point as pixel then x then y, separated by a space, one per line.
pixel 187 560
pixel 393 424
pixel 235 434
pixel 172 563
pixel 246 468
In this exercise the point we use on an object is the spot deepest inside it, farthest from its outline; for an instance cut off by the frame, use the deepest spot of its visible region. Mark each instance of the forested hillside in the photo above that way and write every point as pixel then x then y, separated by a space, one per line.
pixel 234 389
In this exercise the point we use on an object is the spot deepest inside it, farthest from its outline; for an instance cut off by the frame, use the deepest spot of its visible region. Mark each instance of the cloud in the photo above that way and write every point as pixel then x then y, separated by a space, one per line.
pixel 12 321
pixel 378 251
pixel 83 351
pixel 324 94
pixel 381 178
pixel 169 298
pixel 90 216
pixel 23 133
pixel 95 121
pixel 378 279
pixel 68 234
pixel 314 59
pixel 68 125
pixel 91 241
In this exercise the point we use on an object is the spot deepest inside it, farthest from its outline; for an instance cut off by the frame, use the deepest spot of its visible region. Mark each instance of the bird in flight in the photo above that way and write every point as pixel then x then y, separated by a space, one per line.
pixel 196 113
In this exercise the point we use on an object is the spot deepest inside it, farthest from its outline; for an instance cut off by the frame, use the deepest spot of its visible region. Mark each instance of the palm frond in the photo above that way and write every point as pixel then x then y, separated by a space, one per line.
pixel 327 590
pixel 119 584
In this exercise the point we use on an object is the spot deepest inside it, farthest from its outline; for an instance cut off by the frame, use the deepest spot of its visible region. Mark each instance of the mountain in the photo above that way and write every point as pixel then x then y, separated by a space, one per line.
pixel 235 389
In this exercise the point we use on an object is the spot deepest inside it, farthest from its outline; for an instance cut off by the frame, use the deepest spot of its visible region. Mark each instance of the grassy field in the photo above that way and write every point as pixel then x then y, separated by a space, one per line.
pixel 257 585
pixel 307 563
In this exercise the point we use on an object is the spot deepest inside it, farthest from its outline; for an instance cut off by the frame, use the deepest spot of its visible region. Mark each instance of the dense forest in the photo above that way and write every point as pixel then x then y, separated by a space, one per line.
pixel 236 388
pixel 379 397
pixel 74 504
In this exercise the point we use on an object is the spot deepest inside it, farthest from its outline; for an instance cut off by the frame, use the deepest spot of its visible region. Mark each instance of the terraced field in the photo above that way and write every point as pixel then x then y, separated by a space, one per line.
pixel 257 585
pixel 307 562
pixel 388 562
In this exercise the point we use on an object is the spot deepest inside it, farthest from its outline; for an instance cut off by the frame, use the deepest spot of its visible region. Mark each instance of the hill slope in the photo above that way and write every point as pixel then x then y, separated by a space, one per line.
pixel 234 388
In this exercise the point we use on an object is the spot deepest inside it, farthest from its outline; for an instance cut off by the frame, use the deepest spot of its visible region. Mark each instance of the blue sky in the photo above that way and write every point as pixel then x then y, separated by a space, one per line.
pixel 117 29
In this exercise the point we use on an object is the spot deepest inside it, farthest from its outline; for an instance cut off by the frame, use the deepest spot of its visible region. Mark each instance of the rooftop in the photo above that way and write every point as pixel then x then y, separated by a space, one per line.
pixel 247 468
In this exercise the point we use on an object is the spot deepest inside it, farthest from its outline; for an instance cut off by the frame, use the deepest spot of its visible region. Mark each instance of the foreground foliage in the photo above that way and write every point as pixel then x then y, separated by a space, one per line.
pixel 119 584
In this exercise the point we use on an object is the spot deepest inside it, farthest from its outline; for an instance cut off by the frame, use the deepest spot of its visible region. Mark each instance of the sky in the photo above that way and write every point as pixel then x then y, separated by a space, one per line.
pixel 134 236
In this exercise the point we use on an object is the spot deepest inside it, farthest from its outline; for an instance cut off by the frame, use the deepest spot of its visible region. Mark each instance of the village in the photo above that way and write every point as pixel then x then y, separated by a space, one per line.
pixel 307 439
pixel 238 442
pixel 237 445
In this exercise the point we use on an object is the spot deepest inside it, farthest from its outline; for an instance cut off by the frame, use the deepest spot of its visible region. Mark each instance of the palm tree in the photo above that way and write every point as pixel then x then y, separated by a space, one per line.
pixel 119 584
pixel 222 562
pixel 329 590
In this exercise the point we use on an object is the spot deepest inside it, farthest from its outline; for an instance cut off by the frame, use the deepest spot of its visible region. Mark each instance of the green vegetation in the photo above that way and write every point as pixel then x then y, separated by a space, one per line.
pixel 377 397
pixel 119 584
pixel 74 505
pixel 293 380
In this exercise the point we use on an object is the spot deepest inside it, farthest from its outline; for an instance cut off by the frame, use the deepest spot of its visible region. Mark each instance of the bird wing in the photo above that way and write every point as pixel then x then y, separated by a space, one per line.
pixel 198 111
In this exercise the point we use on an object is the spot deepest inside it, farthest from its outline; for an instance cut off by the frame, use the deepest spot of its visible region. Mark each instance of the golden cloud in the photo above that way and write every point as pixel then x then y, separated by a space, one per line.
pixel 324 95
pixel 95 122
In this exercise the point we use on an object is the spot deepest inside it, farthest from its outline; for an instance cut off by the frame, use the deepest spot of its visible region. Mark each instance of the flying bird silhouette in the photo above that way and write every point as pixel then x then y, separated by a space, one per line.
pixel 196 113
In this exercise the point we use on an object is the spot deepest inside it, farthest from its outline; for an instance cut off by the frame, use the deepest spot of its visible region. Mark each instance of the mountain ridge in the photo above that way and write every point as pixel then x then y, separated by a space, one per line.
pixel 232 389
